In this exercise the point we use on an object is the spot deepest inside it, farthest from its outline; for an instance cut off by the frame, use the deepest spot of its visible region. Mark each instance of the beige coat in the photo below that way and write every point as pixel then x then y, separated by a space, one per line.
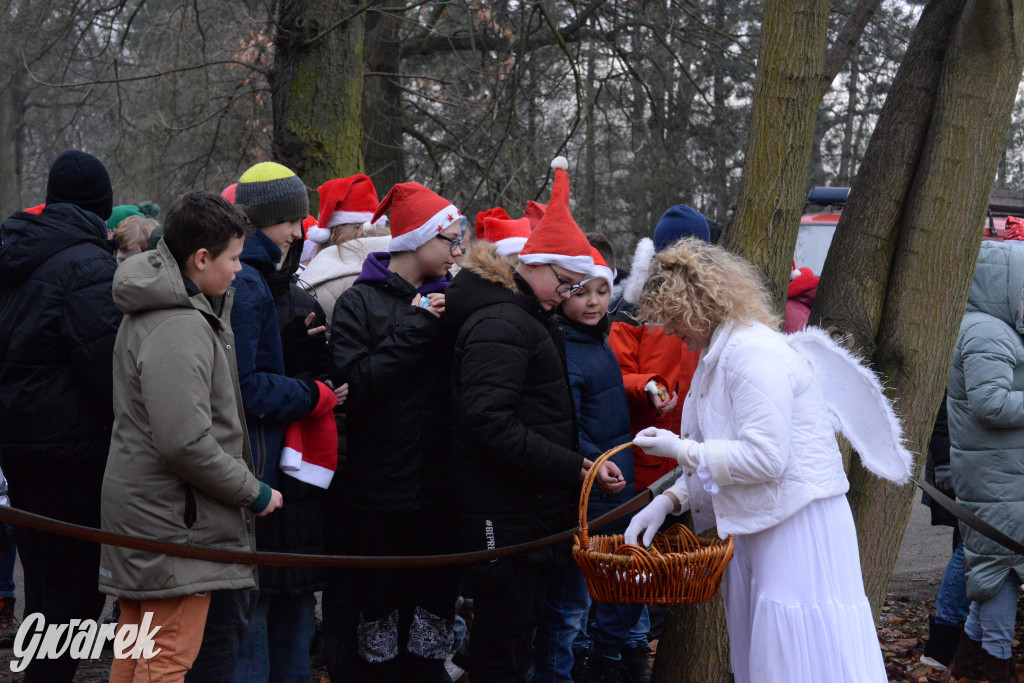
pixel 179 467
pixel 334 269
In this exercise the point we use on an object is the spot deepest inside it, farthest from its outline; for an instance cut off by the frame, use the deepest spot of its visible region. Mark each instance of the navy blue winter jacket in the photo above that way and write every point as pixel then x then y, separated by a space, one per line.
pixel 602 411
pixel 271 399
pixel 58 323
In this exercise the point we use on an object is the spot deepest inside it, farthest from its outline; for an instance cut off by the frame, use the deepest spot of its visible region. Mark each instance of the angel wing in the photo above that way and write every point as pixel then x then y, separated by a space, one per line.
pixel 857 405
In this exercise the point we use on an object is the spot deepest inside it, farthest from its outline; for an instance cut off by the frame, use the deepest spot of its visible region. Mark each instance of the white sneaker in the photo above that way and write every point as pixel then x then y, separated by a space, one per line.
pixel 933 663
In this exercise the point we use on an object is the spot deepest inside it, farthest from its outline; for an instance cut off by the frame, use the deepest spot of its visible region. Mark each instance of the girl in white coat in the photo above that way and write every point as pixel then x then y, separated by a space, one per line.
pixel 760 460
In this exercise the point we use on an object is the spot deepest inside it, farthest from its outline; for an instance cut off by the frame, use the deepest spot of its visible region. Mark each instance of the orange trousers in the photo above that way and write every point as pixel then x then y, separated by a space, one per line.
pixel 182 621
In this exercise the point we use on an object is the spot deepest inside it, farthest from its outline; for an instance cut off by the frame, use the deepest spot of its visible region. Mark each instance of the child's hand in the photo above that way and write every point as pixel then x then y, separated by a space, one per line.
pixel 276 501
pixel 437 302
pixel 342 393
pixel 610 479
pixel 312 332
pixel 666 406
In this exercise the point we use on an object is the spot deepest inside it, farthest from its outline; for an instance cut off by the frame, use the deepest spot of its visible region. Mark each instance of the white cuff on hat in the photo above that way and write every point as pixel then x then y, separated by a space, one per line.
pixel 343 217
pixel 576 264
pixel 510 246
pixel 416 238
pixel 317 234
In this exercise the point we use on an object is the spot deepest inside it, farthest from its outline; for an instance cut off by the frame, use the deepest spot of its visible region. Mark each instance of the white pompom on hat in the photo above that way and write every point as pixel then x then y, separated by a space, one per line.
pixel 557 240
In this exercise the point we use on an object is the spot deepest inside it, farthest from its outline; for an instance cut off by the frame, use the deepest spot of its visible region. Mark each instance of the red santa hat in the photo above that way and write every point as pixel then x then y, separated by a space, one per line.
pixel 344 200
pixel 508 235
pixel 801 280
pixel 229 192
pixel 417 216
pixel 535 211
pixel 557 240
pixel 600 269
pixel 310 452
pixel 478 227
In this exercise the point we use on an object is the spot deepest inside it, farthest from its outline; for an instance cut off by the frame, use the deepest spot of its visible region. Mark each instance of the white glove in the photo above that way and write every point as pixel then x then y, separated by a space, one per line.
pixel 649 520
pixel 665 444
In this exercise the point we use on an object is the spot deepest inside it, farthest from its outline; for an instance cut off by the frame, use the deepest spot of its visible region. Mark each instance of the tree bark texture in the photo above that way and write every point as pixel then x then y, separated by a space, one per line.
pixel 854 281
pixel 382 103
pixel 936 254
pixel 782 120
pixel 846 42
pixel 694 647
pixel 12 117
pixel 317 87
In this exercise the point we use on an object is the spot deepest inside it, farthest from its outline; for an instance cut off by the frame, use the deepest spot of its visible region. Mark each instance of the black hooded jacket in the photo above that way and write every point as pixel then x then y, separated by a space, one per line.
pixel 514 424
pixel 58 323
pixel 395 360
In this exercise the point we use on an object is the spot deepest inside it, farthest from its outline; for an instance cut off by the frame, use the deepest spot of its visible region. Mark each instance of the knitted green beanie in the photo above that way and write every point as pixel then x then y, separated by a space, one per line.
pixel 119 213
pixel 270 193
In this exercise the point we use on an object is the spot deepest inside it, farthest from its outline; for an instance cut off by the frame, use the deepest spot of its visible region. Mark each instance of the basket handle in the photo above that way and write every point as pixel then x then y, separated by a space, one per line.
pixel 588 483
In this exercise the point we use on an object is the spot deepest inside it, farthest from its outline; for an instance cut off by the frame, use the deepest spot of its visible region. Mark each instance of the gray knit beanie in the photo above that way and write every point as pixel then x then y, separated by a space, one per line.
pixel 270 193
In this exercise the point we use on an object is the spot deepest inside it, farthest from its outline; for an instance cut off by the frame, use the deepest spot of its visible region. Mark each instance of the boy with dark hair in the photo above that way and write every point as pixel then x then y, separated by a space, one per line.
pixel 179 467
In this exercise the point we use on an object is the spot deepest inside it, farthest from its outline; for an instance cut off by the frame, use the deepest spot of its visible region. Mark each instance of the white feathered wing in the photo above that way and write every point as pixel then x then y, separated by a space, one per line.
pixel 857 405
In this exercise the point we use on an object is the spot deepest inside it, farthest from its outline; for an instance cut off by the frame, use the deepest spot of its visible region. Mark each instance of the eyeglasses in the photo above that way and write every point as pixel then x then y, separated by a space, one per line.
pixel 453 242
pixel 564 286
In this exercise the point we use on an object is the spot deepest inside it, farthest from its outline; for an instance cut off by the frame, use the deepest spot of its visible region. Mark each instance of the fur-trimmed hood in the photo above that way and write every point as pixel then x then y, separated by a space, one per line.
pixel 488 278
pixel 639 270
pixel 484 260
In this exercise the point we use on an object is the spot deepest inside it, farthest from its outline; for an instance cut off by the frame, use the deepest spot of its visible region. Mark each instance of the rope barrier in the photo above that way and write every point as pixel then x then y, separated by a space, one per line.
pixel 21 518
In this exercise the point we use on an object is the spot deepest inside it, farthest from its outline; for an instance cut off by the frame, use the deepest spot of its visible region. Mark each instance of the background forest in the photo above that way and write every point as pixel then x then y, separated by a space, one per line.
pixel 649 99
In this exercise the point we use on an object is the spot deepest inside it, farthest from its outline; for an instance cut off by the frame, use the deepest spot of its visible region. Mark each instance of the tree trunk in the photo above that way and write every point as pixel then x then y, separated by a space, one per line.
pixel 855 277
pixel 781 133
pixel 694 647
pixel 12 118
pixel 846 161
pixel 382 103
pixel 317 87
pixel 846 41
pixel 936 253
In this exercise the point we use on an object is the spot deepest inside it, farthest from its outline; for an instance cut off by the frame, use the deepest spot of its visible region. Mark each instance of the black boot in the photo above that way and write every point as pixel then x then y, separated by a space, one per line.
pixel 636 664
pixel 604 669
pixel 941 645
pixel 580 660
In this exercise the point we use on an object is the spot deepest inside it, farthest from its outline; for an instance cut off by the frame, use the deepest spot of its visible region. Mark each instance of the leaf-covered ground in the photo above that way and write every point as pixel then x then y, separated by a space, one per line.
pixel 902 631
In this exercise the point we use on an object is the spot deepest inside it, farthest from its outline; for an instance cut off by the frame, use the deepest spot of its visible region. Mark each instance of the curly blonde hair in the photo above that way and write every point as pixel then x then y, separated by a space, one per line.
pixel 699 286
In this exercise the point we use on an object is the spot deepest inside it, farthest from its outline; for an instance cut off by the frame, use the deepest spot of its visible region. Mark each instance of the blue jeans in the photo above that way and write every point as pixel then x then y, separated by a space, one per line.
pixel 275 645
pixel 614 627
pixel 8 553
pixel 564 614
pixel 952 605
pixel 563 627
pixel 991 622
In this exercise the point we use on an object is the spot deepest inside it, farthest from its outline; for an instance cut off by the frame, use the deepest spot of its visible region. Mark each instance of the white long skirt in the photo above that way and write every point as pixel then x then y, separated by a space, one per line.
pixel 795 602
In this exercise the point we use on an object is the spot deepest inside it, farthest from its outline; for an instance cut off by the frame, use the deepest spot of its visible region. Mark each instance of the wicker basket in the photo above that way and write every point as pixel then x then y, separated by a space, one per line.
pixel 679 569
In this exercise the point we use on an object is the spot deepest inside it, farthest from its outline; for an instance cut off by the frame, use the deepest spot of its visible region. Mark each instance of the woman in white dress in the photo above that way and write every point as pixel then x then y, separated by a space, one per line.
pixel 758 450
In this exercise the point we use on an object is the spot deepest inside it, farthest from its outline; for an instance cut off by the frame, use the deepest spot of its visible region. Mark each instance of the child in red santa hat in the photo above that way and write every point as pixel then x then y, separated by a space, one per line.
pixel 388 344
pixel 516 447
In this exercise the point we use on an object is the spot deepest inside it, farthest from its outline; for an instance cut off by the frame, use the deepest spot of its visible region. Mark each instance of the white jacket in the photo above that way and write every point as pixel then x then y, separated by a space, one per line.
pixel 334 269
pixel 766 435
